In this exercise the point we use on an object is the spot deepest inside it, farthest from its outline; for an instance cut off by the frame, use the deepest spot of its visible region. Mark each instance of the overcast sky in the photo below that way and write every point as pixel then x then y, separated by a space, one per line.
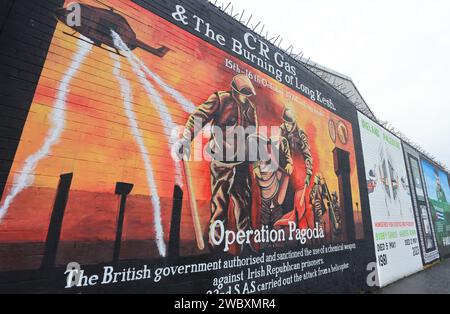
pixel 396 52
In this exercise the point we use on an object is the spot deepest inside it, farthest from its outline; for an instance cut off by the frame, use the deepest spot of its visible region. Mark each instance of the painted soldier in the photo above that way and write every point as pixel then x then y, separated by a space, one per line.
pixel 299 145
pixel 317 201
pixel 228 112
pixel 323 201
pixel 298 141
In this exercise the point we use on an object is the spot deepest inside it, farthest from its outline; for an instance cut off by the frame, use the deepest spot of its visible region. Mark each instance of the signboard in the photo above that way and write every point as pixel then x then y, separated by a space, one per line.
pixel 98 198
pixel 438 193
pixel 424 221
pixel 394 227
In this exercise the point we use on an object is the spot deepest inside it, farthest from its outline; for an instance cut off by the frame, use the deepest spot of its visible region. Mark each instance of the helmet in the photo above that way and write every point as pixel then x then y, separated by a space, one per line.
pixel 242 84
pixel 288 116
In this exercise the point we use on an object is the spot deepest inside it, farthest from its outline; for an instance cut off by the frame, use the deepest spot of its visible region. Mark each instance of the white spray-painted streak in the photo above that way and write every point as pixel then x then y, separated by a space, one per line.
pixel 155 99
pixel 25 177
pixel 127 100
pixel 187 105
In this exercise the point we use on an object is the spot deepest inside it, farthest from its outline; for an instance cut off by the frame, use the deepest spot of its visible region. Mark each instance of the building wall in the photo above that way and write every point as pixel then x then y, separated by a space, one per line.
pixel 5 8
pixel 89 178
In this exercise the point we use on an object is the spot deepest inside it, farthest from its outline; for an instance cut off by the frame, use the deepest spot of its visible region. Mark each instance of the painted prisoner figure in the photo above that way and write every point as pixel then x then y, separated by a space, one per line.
pixel 272 176
pixel 228 112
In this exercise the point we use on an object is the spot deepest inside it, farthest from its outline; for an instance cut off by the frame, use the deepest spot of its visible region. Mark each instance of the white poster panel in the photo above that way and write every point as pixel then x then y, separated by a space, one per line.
pixel 394 228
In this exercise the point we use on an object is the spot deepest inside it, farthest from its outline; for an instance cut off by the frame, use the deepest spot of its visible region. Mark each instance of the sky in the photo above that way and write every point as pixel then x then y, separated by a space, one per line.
pixel 396 52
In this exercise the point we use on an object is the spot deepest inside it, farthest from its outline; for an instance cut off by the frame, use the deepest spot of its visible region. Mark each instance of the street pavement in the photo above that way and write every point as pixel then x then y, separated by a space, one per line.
pixel 435 280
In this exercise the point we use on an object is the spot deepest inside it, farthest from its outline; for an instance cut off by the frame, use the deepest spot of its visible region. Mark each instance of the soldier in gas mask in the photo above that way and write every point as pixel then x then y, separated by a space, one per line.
pixel 299 147
pixel 230 175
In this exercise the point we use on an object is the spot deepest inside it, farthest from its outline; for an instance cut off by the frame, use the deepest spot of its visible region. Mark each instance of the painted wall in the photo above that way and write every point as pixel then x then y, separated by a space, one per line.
pixel 93 198
pixel 5 9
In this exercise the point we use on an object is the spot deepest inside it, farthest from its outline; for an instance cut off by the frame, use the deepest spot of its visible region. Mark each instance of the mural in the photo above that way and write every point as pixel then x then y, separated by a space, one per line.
pixel 427 238
pixel 394 227
pixel 438 191
pixel 125 155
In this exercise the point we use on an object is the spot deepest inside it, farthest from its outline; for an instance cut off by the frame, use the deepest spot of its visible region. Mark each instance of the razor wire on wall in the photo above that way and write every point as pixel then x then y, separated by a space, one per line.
pixel 334 79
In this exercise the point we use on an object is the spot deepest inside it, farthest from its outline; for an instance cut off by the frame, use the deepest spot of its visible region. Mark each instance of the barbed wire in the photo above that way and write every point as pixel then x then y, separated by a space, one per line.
pixel 259 28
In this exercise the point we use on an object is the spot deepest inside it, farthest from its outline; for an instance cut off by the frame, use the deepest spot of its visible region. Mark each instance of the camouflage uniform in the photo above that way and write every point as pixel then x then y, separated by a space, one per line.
pixel 229 179
pixel 298 142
